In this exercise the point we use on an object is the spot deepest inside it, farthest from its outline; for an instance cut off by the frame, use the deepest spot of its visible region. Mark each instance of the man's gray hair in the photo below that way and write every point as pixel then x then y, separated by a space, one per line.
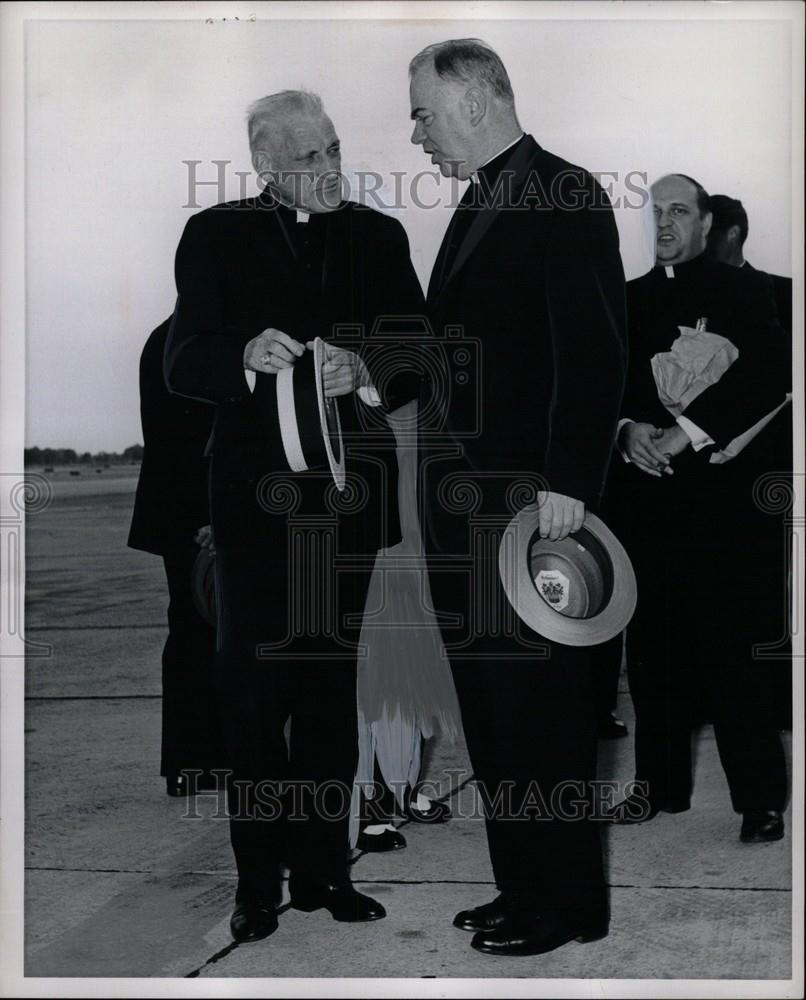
pixel 267 115
pixel 467 59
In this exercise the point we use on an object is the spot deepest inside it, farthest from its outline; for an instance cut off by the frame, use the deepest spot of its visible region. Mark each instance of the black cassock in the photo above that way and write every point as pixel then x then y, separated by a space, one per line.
pixel 527 304
pixel 705 544
pixel 293 555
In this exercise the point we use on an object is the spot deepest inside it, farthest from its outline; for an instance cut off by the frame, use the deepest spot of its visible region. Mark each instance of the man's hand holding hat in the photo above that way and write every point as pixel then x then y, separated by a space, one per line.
pixel 271 351
pixel 343 371
pixel 559 515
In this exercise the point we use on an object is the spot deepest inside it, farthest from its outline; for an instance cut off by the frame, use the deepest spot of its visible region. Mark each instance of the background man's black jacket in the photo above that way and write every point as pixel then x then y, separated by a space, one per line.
pixel 171 502
pixel 737 303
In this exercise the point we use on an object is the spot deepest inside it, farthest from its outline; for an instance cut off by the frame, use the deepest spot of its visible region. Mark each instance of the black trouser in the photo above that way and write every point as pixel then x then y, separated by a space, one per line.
pixel 289 802
pixel 681 656
pixel 699 565
pixel 606 664
pixel 530 729
pixel 190 729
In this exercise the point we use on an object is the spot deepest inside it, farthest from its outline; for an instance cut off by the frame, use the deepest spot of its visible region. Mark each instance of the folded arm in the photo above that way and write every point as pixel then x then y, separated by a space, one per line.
pixel 757 381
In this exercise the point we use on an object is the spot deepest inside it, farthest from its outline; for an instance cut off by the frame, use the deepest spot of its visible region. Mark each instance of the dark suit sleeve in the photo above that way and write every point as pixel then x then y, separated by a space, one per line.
pixel 200 360
pixel 757 381
pixel 586 314
pixel 171 498
pixel 640 391
pixel 399 308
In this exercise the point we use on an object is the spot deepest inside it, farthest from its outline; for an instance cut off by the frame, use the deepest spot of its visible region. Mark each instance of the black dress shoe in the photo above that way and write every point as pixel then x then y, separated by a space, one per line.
pixel 760 826
pixel 340 898
pixel 377 843
pixel 611 728
pixel 523 935
pixel 437 812
pixel 483 918
pixel 252 920
pixel 638 809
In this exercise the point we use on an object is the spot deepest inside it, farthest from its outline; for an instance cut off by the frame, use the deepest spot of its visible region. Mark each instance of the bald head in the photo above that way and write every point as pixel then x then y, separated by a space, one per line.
pixel 682 218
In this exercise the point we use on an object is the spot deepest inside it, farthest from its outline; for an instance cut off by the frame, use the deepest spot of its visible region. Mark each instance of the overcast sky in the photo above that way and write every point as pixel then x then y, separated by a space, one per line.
pixel 115 107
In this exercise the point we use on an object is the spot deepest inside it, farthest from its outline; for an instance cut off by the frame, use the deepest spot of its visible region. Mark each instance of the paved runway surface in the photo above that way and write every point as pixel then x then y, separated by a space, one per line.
pixel 122 881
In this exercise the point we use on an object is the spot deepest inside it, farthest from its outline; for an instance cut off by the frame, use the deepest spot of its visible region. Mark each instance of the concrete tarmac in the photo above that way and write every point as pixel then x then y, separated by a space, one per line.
pixel 123 881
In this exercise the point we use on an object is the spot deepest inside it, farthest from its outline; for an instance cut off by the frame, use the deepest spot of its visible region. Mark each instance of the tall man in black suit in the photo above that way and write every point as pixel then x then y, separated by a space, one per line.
pixel 170 508
pixel 257 280
pixel 530 272
pixel 689 515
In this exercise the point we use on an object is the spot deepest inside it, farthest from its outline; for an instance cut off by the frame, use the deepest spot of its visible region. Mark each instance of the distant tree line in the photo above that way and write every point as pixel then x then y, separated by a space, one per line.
pixel 69 456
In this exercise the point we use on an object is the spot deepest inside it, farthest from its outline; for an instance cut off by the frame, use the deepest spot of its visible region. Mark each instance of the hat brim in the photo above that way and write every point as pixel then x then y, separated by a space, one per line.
pixel 310 426
pixel 334 461
pixel 516 579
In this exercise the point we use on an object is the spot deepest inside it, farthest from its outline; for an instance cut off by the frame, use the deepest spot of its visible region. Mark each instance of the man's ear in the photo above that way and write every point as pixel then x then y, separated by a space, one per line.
pixel 707 222
pixel 476 103
pixel 262 164
pixel 734 235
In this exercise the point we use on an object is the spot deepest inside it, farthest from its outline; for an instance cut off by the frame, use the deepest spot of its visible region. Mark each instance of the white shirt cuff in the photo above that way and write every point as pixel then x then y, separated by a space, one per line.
pixel 621 423
pixel 251 378
pixel 699 438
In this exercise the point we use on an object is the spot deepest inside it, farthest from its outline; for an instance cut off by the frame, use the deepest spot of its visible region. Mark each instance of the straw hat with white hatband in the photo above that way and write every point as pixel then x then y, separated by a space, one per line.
pixel 310 432
pixel 310 428
pixel 579 591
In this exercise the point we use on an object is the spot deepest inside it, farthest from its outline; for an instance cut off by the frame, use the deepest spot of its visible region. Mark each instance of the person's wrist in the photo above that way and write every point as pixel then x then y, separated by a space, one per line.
pixel 621 437
pixel 681 438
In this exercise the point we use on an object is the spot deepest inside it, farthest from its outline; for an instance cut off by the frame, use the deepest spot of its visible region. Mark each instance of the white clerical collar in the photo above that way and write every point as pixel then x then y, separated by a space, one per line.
pixel 669 270
pixel 302 216
pixel 474 175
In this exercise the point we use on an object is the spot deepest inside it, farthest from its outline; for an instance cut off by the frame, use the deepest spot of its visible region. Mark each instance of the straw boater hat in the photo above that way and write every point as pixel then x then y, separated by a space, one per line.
pixel 579 591
pixel 310 434
pixel 310 428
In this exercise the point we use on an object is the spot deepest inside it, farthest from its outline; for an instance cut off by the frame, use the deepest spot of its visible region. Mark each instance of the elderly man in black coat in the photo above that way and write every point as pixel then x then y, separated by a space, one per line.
pixel 258 280
pixel 170 508
pixel 690 504
pixel 527 302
